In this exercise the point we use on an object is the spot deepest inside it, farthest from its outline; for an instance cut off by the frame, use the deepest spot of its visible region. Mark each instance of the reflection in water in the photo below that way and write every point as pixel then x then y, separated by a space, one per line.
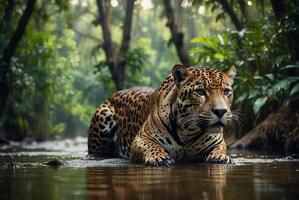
pixel 255 176
pixel 181 182
pixel 255 181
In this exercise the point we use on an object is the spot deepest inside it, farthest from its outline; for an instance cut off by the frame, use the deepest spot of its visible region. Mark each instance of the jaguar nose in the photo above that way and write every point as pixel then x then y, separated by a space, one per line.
pixel 219 112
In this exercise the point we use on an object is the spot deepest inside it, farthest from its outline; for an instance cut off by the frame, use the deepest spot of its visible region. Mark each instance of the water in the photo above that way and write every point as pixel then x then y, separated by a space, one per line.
pixel 254 176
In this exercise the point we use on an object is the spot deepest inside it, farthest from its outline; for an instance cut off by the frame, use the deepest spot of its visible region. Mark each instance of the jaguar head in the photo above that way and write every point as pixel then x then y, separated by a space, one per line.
pixel 204 96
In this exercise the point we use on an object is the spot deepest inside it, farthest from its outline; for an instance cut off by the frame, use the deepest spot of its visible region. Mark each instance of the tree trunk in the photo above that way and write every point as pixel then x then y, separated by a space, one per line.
pixel 8 12
pixel 108 12
pixel 177 36
pixel 125 43
pixel 116 63
pixel 231 13
pixel 244 11
pixel 235 20
pixel 179 13
pixel 10 49
pixel 108 46
pixel 279 9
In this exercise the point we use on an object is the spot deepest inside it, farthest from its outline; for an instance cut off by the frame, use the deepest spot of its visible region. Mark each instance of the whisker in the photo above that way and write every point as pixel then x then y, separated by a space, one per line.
pixel 238 112
pixel 236 122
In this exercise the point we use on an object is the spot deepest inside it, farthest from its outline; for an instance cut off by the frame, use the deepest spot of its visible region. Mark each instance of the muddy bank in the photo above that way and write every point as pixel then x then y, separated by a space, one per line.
pixel 278 132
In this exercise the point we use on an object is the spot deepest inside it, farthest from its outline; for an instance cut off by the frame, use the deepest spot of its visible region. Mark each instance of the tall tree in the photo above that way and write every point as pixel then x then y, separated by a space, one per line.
pixel 228 8
pixel 10 49
pixel 177 37
pixel 116 61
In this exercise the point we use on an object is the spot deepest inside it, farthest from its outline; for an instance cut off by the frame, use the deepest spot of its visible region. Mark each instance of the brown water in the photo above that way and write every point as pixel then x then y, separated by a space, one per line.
pixel 254 176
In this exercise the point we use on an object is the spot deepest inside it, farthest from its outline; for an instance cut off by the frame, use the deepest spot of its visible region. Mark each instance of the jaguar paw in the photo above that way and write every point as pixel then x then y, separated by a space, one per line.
pixel 222 159
pixel 157 161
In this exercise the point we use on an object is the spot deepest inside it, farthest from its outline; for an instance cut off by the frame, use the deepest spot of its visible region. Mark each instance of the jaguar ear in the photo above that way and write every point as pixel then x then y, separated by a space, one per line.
pixel 179 73
pixel 231 72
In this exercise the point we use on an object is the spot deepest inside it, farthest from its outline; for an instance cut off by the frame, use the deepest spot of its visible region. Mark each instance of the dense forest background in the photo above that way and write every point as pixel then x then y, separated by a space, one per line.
pixel 61 58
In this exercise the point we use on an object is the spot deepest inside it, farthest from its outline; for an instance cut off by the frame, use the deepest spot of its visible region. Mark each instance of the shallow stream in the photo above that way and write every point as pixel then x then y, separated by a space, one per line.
pixel 255 175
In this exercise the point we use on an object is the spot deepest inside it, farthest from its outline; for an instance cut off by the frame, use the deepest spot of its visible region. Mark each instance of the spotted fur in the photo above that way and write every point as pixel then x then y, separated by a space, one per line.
pixel 182 120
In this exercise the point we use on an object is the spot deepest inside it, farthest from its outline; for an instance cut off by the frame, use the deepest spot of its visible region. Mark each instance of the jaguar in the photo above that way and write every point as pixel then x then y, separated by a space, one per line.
pixel 180 121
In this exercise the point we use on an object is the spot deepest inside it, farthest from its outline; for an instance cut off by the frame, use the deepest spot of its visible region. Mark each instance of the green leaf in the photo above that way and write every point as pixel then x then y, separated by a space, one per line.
pixel 270 76
pixel 278 60
pixel 254 94
pixel 218 56
pixel 241 98
pixel 284 84
pixel 198 40
pixel 259 103
pixel 220 38
pixel 58 129
pixel 295 89
pixel 242 33
pixel 220 16
pixel 296 66
pixel 197 50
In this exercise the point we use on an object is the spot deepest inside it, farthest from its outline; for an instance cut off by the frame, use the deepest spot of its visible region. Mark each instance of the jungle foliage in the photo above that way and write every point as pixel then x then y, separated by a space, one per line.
pixel 59 71
pixel 265 52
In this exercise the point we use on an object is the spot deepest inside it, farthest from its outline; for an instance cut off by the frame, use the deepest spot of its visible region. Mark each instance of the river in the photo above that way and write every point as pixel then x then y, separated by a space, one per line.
pixel 255 175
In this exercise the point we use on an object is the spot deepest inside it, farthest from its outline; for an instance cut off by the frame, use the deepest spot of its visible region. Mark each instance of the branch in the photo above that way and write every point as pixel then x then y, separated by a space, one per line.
pixel 10 49
pixel 232 14
pixel 177 36
pixel 86 35
pixel 117 69
pixel 8 11
pixel 108 46
pixel 19 32
pixel 127 25
pixel 116 73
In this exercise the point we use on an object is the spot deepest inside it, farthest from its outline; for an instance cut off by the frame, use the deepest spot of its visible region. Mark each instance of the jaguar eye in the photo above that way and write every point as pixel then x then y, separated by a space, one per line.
pixel 226 92
pixel 201 92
